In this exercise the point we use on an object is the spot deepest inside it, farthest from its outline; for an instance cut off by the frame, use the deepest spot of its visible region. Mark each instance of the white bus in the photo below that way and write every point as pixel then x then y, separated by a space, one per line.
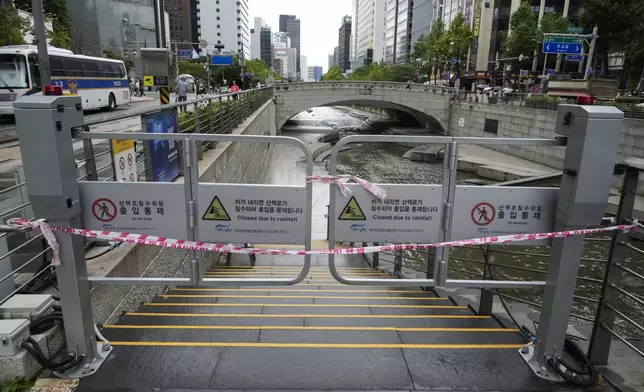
pixel 101 83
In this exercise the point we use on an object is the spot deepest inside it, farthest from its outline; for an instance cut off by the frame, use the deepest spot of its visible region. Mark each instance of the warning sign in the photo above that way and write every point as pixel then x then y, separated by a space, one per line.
pixel 409 213
pixel 496 211
pixel 352 211
pixel 123 153
pixel 148 81
pixel 104 210
pixel 260 214
pixel 216 211
pixel 483 214
pixel 146 208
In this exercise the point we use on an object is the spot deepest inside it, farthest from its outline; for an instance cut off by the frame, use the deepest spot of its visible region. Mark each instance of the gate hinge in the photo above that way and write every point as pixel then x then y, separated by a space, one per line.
pixel 447 215
pixel 191 213
pixel 187 153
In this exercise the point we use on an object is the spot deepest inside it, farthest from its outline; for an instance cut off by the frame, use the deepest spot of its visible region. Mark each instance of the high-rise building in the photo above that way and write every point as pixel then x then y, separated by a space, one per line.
pixel 291 63
pixel 266 45
pixel 344 43
pixel 305 66
pixel 281 46
pixel 368 26
pixel 179 13
pixel 293 30
pixel 314 74
pixel 331 61
pixel 284 19
pixel 421 21
pixel 336 55
pixel 255 40
pixel 225 23
pixel 398 18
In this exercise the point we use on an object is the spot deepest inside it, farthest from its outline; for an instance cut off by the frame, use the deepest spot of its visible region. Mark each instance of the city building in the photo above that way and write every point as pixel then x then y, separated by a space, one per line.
pixel 180 22
pixel 490 21
pixel 124 26
pixel 397 37
pixel 336 55
pixel 291 24
pixel 278 66
pixel 266 45
pixel 292 58
pixel 314 74
pixel 344 44
pixel 421 21
pixel 285 57
pixel 367 32
pixel 255 38
pixel 331 61
pixel 304 64
pixel 224 23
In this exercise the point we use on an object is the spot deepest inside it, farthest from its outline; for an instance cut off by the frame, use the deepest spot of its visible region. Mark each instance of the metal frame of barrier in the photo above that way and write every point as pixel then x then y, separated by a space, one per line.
pixel 191 184
pixel 441 255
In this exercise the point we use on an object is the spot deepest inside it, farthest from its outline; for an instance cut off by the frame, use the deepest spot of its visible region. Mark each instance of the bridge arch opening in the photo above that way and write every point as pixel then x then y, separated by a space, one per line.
pixel 395 111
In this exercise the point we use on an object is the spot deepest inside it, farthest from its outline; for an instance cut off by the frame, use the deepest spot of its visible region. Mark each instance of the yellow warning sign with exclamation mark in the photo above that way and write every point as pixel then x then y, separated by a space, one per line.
pixel 216 211
pixel 352 211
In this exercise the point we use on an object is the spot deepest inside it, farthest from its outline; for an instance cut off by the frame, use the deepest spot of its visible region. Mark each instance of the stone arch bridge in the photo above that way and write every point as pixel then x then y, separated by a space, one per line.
pixel 429 105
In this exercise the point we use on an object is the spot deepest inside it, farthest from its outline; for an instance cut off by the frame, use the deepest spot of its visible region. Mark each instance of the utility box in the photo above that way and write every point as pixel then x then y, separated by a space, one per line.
pixel 26 306
pixel 157 67
pixel 12 334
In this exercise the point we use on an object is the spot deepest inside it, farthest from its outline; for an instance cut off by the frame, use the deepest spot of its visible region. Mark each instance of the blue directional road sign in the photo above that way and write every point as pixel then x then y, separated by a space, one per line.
pixel 184 53
pixel 222 60
pixel 562 45
pixel 575 58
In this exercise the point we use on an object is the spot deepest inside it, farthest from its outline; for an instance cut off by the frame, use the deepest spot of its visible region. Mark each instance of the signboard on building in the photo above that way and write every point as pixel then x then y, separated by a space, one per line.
pixel 409 213
pixel 258 214
pixel 163 154
pixel 142 208
pixel 155 81
pixel 124 160
pixel 562 45
pixel 496 211
pixel 184 54
pixel 575 58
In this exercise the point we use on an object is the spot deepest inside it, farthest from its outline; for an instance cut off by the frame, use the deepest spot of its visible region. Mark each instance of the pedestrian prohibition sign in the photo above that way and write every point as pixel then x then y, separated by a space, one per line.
pixel 104 210
pixel 483 214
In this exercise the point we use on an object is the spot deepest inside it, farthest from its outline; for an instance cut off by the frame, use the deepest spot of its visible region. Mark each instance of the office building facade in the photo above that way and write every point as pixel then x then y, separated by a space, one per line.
pixel 314 74
pixel 180 22
pixel 367 32
pixel 397 42
pixel 225 22
pixel 305 66
pixel 291 24
pixel 344 44
pixel 255 38
pixel 266 45
pixel 422 18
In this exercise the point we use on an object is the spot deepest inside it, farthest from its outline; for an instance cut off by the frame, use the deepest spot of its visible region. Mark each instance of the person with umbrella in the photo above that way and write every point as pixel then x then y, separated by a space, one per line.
pixel 182 92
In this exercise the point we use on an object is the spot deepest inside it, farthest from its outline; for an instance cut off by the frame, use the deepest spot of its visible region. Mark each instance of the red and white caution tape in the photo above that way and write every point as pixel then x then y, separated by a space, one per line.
pixel 144 239
pixel 50 237
pixel 375 190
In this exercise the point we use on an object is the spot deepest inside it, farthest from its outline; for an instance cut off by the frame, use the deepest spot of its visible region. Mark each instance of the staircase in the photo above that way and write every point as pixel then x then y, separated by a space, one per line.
pixel 317 335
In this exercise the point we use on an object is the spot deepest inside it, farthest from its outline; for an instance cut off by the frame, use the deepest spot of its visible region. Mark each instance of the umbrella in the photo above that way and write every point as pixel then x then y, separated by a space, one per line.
pixel 189 78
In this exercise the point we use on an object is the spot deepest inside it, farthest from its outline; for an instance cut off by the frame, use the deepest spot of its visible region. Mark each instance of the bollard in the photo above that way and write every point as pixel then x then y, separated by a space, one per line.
pixel 376 257
pixel 398 257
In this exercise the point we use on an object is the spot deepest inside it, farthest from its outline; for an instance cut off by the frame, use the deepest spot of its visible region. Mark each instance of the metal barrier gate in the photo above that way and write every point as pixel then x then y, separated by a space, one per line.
pixel 412 214
pixel 590 134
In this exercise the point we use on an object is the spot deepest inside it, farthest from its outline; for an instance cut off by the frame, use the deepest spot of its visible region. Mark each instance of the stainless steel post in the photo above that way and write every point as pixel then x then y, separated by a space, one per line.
pixel 593 134
pixel 591 53
pixel 90 160
pixel 601 338
pixel 398 258
pixel 41 36
pixel 448 211
pixel 44 126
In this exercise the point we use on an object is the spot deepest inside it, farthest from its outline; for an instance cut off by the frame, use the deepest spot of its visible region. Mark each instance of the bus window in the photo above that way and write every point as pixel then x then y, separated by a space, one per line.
pixel 13 72
pixel 90 68
pixel 36 82
pixel 73 67
pixel 104 70
pixel 56 66
pixel 121 71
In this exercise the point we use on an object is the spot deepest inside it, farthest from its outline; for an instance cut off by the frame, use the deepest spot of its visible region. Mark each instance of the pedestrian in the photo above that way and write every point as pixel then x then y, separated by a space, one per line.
pixel 234 89
pixel 142 93
pixel 182 92
pixel 137 88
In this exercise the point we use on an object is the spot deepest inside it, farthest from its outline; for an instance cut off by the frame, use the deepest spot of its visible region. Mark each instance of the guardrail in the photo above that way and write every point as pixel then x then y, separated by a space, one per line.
pixel 218 114
pixel 363 85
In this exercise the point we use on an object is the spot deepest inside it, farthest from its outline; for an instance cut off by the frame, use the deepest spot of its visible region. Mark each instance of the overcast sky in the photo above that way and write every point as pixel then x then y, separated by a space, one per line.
pixel 320 22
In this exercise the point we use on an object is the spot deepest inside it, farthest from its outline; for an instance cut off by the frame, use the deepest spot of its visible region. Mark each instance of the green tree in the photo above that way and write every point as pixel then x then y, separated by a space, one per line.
pixel 334 73
pixel 110 54
pixel 13 26
pixel 361 73
pixel 524 35
pixel 258 68
pixel 430 52
pixel 621 30
pixel 458 38
pixel 57 12
pixel 194 68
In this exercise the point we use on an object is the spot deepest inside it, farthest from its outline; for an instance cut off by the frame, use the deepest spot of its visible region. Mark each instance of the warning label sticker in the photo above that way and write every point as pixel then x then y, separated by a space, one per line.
pixel 216 211
pixel 257 214
pixel 352 211
pixel 496 211
pixel 409 213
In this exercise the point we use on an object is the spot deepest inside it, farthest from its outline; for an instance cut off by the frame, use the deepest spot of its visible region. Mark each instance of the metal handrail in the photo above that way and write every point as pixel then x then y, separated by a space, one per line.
pixel 629 271
pixel 631 247
pixel 16 291
pixel 11 188
pixel 11 211
pixel 17 248
pixel 12 273
pixel 626 293
pixel 623 340
pixel 625 317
